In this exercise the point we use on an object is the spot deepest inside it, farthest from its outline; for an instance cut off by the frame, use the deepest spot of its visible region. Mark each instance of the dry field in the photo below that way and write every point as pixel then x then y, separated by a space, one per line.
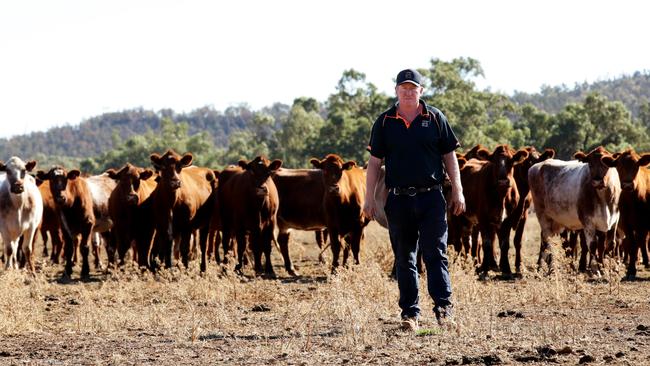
pixel 180 317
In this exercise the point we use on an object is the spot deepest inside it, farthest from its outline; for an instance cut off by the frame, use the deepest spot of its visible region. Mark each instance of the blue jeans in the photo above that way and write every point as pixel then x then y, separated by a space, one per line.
pixel 413 221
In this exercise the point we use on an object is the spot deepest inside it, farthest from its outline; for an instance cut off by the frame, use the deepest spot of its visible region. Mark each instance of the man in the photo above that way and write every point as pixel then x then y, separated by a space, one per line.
pixel 415 139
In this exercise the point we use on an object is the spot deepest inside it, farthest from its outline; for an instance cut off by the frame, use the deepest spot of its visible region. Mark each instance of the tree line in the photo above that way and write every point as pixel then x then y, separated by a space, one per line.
pixel 615 114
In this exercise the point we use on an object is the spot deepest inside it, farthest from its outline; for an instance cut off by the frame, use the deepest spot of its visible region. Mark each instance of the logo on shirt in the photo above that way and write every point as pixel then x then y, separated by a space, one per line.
pixel 425 123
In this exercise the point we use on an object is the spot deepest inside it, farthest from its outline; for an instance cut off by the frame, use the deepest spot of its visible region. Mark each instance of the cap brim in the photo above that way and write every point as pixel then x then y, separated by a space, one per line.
pixel 409 81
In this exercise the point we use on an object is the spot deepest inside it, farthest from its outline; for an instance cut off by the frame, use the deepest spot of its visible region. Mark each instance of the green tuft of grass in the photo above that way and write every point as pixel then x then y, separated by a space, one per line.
pixel 423 332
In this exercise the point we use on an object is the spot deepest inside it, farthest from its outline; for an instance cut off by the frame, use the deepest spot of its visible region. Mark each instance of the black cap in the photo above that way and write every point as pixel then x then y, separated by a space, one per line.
pixel 409 76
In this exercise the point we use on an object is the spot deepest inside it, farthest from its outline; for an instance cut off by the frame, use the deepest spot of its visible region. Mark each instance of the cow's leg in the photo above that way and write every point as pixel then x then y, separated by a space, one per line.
pixel 84 246
pixel 504 245
pixel 283 242
pixel 256 244
pixel 356 238
pixel 225 244
pixel 584 250
pixel 11 247
pixel 57 245
pixel 633 253
pixel 96 242
pixel 335 244
pixel 346 249
pixel 69 247
pixel 643 237
pixel 266 243
pixel 28 247
pixel 203 241
pixel 476 247
pixel 185 247
pixel 488 233
pixel 44 237
pixel 519 232
pixel 592 239
pixel 241 247
pixel 321 237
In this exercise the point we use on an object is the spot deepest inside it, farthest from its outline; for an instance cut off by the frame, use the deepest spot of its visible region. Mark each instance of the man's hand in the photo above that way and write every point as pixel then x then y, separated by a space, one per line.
pixel 457 203
pixel 369 209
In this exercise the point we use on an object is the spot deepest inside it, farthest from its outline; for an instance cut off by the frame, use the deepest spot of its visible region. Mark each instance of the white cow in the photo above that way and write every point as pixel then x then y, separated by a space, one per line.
pixel 575 195
pixel 21 209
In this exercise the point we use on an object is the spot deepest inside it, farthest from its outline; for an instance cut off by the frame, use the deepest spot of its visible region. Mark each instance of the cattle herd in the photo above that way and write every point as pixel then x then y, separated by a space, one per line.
pixel 159 213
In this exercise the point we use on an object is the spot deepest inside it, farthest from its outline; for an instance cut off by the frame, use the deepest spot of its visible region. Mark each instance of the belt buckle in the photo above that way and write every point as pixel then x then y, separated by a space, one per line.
pixel 411 191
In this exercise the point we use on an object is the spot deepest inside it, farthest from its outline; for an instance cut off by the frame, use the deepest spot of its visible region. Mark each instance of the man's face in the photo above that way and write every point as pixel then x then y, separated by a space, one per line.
pixel 408 94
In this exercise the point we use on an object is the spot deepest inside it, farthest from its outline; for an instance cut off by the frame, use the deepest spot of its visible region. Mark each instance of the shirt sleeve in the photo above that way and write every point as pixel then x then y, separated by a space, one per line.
pixel 377 144
pixel 448 140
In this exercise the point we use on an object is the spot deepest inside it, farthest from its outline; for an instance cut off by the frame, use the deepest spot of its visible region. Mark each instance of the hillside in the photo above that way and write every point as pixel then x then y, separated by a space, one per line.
pixel 633 91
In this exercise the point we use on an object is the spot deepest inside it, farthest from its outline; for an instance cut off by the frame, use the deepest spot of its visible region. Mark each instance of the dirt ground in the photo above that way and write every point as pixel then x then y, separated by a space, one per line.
pixel 180 317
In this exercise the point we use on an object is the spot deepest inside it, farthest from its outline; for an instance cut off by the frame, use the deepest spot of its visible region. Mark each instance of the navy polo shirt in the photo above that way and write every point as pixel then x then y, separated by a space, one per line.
pixel 412 152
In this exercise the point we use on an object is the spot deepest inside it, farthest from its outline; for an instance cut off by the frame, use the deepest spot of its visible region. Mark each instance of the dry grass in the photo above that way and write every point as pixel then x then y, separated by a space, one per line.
pixel 180 317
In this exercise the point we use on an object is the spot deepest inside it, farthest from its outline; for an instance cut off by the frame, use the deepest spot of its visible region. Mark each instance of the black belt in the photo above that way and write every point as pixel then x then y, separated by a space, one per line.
pixel 412 191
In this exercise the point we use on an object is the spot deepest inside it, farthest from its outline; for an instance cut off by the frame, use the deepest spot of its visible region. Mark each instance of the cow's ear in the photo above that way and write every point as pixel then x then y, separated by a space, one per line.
pixel 146 174
pixel 315 162
pixel 30 165
pixel 579 156
pixel 609 161
pixel 520 156
pixel 113 174
pixel 38 181
pixel 547 154
pixel 42 175
pixel 461 162
pixel 3 167
pixel 243 164
pixel 645 160
pixel 483 154
pixel 349 165
pixel 275 165
pixel 73 174
pixel 186 160
pixel 156 161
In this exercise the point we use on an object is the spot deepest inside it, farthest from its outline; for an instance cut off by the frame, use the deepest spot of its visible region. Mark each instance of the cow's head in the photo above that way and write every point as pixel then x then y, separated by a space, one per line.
pixel 627 165
pixel 503 159
pixel 169 167
pixel 260 169
pixel 597 169
pixel 16 169
pixel 59 178
pixel 473 153
pixel 333 168
pixel 534 157
pixel 128 181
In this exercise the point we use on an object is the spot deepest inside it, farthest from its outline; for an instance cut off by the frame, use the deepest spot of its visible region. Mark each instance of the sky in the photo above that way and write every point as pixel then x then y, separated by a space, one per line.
pixel 65 61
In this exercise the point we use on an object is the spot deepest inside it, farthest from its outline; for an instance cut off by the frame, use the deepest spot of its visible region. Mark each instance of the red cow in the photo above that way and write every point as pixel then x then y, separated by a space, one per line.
pixel 488 185
pixel 181 205
pixel 51 223
pixel 248 204
pixel 518 210
pixel 131 211
pixel 345 190
pixel 301 194
pixel 634 203
pixel 82 203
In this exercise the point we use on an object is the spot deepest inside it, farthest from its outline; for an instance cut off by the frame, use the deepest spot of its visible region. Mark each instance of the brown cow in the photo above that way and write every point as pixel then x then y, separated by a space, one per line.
pixel 131 211
pixel 634 203
pixel 301 194
pixel 575 195
pixel 345 191
pixel 82 203
pixel 248 204
pixel 518 212
pixel 181 205
pixel 51 223
pixel 487 185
